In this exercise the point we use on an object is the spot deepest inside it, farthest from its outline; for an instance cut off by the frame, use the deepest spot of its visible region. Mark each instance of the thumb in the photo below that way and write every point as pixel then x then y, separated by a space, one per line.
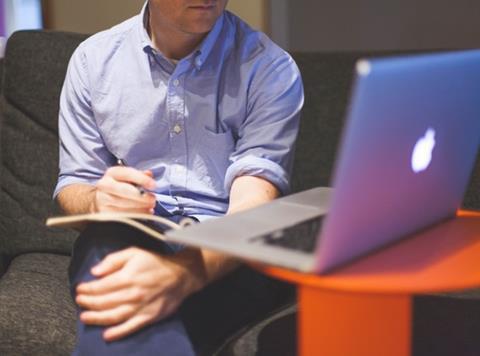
pixel 149 173
pixel 112 262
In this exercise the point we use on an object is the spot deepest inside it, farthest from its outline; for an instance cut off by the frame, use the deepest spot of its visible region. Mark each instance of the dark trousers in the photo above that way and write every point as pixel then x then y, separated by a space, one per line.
pixel 204 320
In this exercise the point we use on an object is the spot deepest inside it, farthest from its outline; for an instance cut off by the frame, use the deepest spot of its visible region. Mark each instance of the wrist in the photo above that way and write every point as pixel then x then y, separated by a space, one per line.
pixel 77 199
pixel 93 206
pixel 193 272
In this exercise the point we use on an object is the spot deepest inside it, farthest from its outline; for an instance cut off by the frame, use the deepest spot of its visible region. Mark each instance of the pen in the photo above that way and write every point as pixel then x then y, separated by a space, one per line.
pixel 121 162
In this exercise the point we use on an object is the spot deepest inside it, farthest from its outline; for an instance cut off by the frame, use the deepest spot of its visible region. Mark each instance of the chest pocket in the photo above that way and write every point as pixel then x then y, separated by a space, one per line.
pixel 210 157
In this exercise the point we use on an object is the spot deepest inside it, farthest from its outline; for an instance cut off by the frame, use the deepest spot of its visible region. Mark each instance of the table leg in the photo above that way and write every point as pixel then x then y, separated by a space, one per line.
pixel 344 323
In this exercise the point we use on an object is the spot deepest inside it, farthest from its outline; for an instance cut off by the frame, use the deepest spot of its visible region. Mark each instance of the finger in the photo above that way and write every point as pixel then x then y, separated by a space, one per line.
pixel 113 262
pixel 112 300
pixel 108 317
pixel 112 208
pixel 106 202
pixel 125 191
pixel 131 175
pixel 113 202
pixel 151 312
pixel 110 283
pixel 128 327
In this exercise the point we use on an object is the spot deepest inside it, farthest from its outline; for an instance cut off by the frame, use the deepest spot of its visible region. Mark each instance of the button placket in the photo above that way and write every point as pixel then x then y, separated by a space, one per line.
pixel 177 135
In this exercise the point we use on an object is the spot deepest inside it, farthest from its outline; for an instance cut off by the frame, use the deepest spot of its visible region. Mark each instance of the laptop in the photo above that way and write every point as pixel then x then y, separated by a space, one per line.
pixel 406 154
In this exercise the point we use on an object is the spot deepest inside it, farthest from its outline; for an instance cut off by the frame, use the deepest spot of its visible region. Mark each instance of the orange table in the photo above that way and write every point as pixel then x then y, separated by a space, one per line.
pixel 365 308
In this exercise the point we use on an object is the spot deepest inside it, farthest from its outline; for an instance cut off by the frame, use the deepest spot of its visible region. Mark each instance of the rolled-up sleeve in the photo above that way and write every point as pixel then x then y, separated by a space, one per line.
pixel 83 157
pixel 266 138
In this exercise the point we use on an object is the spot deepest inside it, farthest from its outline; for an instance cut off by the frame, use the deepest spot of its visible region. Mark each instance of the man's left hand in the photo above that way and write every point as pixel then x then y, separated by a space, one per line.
pixel 136 287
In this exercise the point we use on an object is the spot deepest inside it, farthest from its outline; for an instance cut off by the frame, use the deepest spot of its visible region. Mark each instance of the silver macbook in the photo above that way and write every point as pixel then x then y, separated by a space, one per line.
pixel 408 148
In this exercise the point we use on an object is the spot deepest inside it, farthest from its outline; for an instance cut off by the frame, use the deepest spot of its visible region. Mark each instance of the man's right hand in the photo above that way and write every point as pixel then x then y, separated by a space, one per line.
pixel 118 190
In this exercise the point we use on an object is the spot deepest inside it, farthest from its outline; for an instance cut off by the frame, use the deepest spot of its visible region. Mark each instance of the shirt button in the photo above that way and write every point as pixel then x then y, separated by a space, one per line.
pixel 177 129
pixel 176 82
pixel 198 62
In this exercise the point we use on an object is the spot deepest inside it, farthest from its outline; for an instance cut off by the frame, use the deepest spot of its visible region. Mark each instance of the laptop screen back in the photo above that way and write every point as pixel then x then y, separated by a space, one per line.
pixel 407 151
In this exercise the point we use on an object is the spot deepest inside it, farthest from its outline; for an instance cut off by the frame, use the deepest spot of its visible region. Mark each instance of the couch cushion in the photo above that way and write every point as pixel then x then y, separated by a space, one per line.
pixel 34 70
pixel 327 79
pixel 472 196
pixel 37 315
pixel 1 75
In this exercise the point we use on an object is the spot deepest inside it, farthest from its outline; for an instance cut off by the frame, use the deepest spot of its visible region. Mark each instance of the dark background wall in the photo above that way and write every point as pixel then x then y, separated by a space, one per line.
pixel 381 24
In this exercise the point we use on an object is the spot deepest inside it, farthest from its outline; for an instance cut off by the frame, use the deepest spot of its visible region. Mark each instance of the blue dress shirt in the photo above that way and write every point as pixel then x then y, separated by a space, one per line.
pixel 230 108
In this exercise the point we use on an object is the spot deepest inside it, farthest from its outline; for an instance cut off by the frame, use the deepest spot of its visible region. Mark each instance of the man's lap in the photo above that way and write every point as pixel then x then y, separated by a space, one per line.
pixel 209 315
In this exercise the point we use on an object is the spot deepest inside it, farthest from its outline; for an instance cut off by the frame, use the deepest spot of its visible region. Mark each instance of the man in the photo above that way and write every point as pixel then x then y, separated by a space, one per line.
pixel 206 110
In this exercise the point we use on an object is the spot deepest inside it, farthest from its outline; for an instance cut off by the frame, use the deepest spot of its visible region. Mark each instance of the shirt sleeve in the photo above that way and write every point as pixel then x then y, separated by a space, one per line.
pixel 266 138
pixel 83 157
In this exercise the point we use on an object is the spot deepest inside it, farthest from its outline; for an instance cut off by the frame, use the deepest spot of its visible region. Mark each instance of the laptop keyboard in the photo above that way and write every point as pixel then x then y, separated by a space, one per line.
pixel 301 237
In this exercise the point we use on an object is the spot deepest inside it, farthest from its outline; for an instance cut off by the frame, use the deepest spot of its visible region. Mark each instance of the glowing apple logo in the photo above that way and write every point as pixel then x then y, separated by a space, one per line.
pixel 422 152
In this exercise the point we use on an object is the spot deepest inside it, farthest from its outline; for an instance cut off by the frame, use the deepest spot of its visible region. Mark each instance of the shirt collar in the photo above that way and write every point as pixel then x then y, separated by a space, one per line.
pixel 142 28
pixel 200 55
pixel 207 44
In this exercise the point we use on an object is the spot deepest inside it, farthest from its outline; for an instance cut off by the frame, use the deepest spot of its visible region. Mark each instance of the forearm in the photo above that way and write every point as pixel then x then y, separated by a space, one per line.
pixel 202 267
pixel 77 199
pixel 247 192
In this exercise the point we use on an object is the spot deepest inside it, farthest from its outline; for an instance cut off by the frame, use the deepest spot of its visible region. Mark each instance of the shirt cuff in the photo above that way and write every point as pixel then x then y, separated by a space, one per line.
pixel 258 167
pixel 68 180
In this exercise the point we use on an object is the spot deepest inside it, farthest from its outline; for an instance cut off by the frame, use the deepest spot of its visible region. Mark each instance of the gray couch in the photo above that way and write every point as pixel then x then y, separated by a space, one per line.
pixel 37 316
